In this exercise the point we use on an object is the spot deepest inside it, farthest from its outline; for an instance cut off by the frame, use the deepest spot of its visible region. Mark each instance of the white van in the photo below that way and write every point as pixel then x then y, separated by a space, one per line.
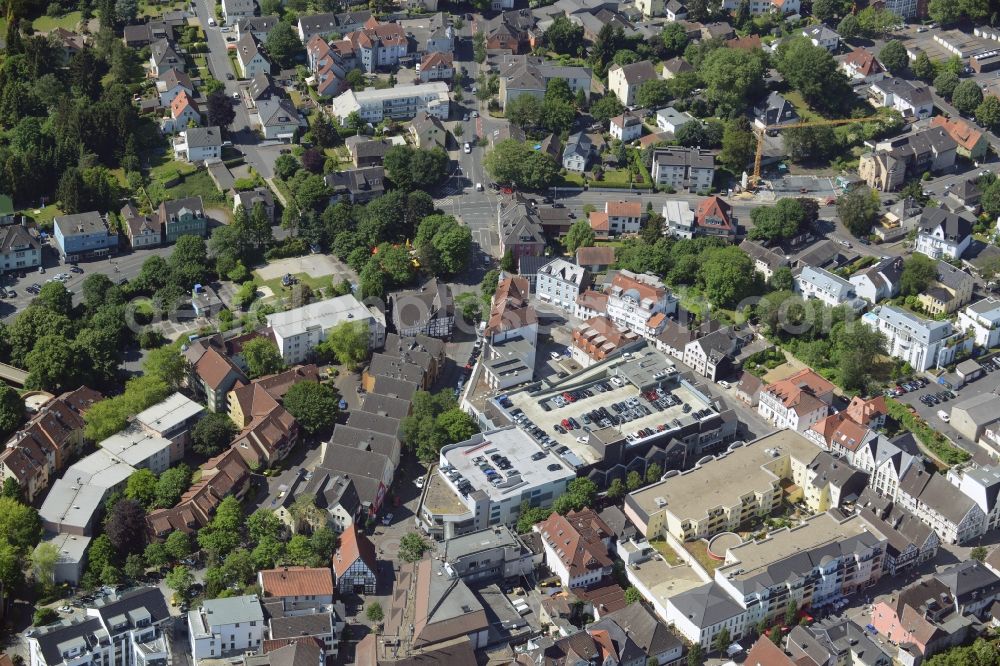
pixel 943 415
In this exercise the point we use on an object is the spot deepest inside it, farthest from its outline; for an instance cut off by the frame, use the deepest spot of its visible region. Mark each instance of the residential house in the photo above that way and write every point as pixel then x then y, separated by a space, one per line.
pixel 820 35
pixel 597 339
pixel 511 33
pixel 972 142
pixel 376 45
pixel 626 127
pixel 578 152
pixel 577 547
pixel 674 10
pixel 678 218
pixel 83 236
pixel 675 66
pixel 163 58
pixel 68 42
pixel 172 83
pixel 625 80
pixel 530 75
pixel 401 102
pixel 671 120
pixel 437 66
pixel 428 132
pixel 775 110
pixel 714 217
pixel 559 283
pixel 427 310
pixel 328 67
pixel 832 290
pixel 713 355
pixel 861 66
pixel 973 416
pixel 831 642
pixel 690 169
pixel 213 375
pixel 298 331
pixel 301 590
pixel 635 630
pixel 226 627
pixel 796 402
pixel 366 152
pixel 895 160
pixel 441 34
pixel 951 290
pixel 183 113
pixel 264 394
pixel 233 10
pixel 618 217
pixel 250 199
pixel 591 304
pixel 199 144
pixel 595 259
pixel 277 118
pixel 880 281
pixel 258 26
pixel 943 234
pixel 910 542
pixel 640 303
pixel 980 483
pixel 765 260
pixel 923 616
pixel 336 495
pixel 250 57
pixel 18 249
pixel 182 217
pixel 651 8
pixel 520 231
pixel 512 333
pixel 982 320
pixel 913 101
pixel 328 23
pixel 355 565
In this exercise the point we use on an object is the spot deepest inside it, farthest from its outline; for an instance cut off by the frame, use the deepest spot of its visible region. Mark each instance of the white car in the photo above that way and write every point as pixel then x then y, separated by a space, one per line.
pixel 943 415
pixel 845 243
pixel 555 356
pixel 211 22
pixel 419 483
pixel 467 148
pixel 479 187
pixel 236 95
pixel 724 384
pixel 581 439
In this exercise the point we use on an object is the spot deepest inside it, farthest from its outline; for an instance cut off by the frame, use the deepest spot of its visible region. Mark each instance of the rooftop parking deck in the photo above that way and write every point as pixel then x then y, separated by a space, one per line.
pixel 676 407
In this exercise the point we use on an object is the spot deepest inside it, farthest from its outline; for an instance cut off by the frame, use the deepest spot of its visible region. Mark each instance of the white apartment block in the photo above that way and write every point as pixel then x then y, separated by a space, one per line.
pixel 559 283
pixel 797 402
pixel 759 7
pixel 400 102
pixel 982 320
pixel 680 168
pixel 955 517
pixel 298 331
pixel 822 285
pixel 981 485
pixel 923 343
pixel 640 303
pixel 226 627
pixel 123 631
pixel 678 218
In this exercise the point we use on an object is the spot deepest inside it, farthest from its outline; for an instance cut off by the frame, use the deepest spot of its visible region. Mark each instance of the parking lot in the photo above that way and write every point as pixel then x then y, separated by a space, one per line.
pixel 562 418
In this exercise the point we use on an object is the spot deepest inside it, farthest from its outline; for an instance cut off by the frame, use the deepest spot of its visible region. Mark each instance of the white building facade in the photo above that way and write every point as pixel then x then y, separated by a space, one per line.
pixel 559 282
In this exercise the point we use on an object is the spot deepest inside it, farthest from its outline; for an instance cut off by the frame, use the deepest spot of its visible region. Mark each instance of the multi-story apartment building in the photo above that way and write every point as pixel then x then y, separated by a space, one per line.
pixel 640 303
pixel 492 554
pixel 399 102
pixel 982 320
pixel 625 80
pixel 945 508
pixel 823 559
pixel 124 631
pixel 183 217
pixel 943 234
pixel 226 627
pixel 923 343
pixel 576 547
pixel 680 168
pixel 948 292
pixel 796 402
pixel 982 486
pixel 559 283
pixel 427 310
pixel 530 75
pixel 82 236
pixel 375 46
pixel 822 285
pixel 298 331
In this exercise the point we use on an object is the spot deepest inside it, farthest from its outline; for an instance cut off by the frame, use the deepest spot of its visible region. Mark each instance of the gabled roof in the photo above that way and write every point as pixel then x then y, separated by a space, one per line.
pixel 803 392
pixel 595 256
pixel 863 62
pixel 182 103
pixel 578 540
pixel 175 77
pixel 637 73
pixel 213 368
pixel 354 546
pixel 963 132
pixel 296 582
pixel 714 213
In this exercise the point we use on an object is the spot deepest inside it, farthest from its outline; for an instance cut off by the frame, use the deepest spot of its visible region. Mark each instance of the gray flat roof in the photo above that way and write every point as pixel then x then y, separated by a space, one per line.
pixel 232 610
pixel 169 413
pixel 475 542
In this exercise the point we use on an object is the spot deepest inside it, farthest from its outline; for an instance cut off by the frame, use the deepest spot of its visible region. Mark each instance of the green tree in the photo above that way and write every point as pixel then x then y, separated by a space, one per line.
pixel 849 27
pixel 19 524
pixel 775 635
pixel 738 145
pixel 632 594
pixel 564 36
pixel 653 473
pixel 616 489
pixel 695 655
pixel 263 524
pixel 810 145
pixel 212 434
pixel 530 516
pixel 180 579
pixel 978 553
pixel 262 357
pixel 721 640
pixel 988 113
pixel 922 67
pixel 732 77
pixel 945 83
pixel 224 533
pixel 54 296
pixel 580 494
pixel 606 108
pixel 919 271
pixel 893 57
pixel 967 96
pixel 141 487
pixel 778 222
pixel 633 481
pixel 283 45
pixel 855 351
pixel 728 275
pixel 44 559
pixel 171 485
pixel 826 10
pixel 374 612
pixel 126 526
pixel 313 405
pixel 135 566
pixel 43 616
pixel 188 261
pixel 349 343
pixel 11 410
pixel 285 166
pixel 813 72
pixel 156 554
pixel 580 234
pixel 944 12
pixel 414 168
pixel 412 547
pixel 515 163
pixel 781 279
pixel 858 209
pixel 11 489
pixel 653 94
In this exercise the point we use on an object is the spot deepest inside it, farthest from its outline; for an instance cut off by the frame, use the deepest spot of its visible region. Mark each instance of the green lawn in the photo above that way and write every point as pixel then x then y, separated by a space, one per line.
pixel 45 216
pixel 795 98
pixel 47 23
pixel 666 551
pixel 197 184
pixel 164 167
pixel 315 283
pixel 700 551
pixel 155 9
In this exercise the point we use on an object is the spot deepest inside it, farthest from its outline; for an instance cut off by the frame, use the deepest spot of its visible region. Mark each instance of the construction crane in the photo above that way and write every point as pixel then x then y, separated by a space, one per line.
pixel 762 131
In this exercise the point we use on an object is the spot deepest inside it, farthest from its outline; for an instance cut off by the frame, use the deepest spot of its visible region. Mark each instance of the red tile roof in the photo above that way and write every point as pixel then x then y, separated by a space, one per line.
pixel 623 208
pixel 354 546
pixel 599 221
pixel 296 582
pixel 962 132
pixel 577 540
